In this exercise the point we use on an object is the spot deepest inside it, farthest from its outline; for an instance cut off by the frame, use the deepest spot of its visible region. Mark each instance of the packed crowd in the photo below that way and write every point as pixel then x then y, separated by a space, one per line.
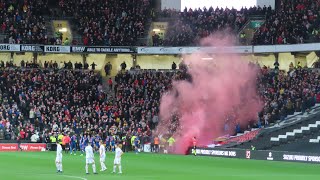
pixel 296 21
pixel 190 25
pixel 23 21
pixel 47 102
pixel 40 100
pixel 112 22
pixel 285 93
pixel 120 23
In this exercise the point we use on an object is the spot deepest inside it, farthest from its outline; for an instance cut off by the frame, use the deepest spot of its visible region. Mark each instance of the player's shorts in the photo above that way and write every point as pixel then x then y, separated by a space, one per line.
pixel 89 160
pixel 112 143
pixel 59 159
pixel 117 161
pixel 103 159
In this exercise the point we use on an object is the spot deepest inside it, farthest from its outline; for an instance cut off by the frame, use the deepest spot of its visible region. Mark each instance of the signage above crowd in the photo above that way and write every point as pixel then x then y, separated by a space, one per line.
pixel 159 50
pixel 64 49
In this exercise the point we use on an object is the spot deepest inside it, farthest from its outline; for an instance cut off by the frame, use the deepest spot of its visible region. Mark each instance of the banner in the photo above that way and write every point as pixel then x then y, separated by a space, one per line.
pixel 33 147
pixel 84 49
pixel 57 49
pixel 189 50
pixel 160 50
pixel 9 47
pixel 217 152
pixel 31 48
pixel 24 146
pixel 9 147
pixel 259 155
pixel 302 158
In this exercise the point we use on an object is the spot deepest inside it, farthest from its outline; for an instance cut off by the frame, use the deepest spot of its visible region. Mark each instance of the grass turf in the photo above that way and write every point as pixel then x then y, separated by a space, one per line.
pixel 41 166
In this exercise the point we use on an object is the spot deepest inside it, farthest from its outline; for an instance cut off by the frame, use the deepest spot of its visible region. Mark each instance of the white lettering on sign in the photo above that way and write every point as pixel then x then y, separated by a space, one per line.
pixel 301 158
pixel 53 49
pixel 78 49
pixel 4 47
pixel 216 152
pixel 28 48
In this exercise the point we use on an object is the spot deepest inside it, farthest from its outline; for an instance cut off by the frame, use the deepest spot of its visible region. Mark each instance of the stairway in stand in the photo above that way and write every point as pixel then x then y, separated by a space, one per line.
pixel 105 86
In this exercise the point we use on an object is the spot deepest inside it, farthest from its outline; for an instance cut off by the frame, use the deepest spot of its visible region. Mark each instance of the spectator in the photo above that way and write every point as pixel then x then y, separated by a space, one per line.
pixel 123 66
pixel 108 68
pixel 86 65
pixel 93 66
pixel 110 83
pixel 66 42
pixel 22 64
pixel 35 137
pixel 174 66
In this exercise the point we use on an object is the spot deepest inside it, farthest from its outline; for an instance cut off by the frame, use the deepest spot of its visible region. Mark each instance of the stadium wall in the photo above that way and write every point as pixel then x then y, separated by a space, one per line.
pixel 154 61
pixel 259 155
pixel 157 62
pixel 59 58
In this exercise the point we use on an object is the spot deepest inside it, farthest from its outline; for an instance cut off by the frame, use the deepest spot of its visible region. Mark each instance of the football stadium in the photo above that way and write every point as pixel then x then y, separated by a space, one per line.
pixel 159 89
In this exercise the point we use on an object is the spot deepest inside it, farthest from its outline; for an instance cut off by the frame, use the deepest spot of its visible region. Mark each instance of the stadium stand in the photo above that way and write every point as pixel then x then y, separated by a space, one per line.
pixel 47 99
pixel 114 23
pixel 302 142
pixel 240 138
pixel 43 100
pixel 193 25
pixel 287 93
pixel 121 23
pixel 268 138
pixel 294 22
pixel 22 22
pixel 133 105
pixel 297 132
pixel 315 140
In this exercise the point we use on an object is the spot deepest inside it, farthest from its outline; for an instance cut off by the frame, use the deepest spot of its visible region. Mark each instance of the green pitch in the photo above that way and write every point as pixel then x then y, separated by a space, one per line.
pixel 41 166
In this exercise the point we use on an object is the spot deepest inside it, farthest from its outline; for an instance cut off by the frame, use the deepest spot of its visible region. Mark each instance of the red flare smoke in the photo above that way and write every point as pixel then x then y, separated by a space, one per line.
pixel 222 86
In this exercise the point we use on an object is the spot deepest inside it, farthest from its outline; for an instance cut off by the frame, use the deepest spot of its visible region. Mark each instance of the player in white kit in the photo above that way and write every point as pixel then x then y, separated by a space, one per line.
pixel 102 152
pixel 90 158
pixel 59 158
pixel 117 159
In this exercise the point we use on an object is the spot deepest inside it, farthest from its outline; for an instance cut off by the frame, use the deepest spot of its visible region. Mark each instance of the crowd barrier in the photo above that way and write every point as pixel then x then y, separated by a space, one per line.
pixel 9 147
pixel 259 155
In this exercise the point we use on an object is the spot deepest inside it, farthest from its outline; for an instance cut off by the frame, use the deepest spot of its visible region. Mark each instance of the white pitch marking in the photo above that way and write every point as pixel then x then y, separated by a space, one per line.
pixel 75 177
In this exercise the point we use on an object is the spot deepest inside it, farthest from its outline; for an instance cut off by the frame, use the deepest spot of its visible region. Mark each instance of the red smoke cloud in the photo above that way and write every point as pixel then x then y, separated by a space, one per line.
pixel 222 86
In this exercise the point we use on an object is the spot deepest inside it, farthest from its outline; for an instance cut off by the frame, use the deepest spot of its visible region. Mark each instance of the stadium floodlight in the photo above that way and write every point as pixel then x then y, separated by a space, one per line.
pixel 63 30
